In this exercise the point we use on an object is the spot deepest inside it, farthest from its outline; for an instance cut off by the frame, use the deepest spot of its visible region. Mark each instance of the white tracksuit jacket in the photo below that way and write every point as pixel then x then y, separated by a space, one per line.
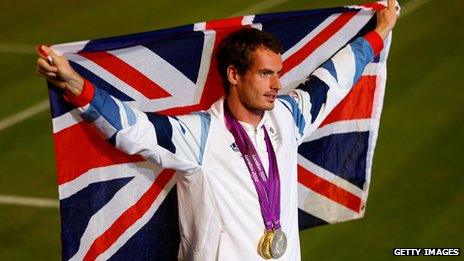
pixel 219 212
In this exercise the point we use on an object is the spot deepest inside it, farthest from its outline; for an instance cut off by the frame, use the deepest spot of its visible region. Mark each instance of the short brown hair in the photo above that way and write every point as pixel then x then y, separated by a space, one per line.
pixel 237 49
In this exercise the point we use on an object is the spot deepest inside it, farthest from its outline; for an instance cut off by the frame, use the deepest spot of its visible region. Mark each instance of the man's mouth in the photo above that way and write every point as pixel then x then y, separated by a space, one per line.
pixel 271 96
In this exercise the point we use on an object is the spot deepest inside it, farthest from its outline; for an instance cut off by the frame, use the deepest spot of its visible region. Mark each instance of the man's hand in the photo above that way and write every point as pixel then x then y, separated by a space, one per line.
pixel 59 72
pixel 386 19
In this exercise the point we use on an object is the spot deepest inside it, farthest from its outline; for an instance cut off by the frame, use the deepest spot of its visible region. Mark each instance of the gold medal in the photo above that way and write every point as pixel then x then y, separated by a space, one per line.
pixel 264 246
pixel 260 245
pixel 272 244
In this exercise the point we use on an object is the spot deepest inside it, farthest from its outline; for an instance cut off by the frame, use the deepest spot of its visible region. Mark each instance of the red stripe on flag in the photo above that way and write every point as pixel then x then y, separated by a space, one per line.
pixel 127 73
pixel 235 22
pixel 328 190
pixel 129 217
pixel 357 104
pixel 213 86
pixel 300 55
pixel 89 151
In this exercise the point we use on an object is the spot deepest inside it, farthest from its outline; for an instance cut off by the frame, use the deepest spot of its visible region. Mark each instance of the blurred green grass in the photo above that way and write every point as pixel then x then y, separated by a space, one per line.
pixel 417 188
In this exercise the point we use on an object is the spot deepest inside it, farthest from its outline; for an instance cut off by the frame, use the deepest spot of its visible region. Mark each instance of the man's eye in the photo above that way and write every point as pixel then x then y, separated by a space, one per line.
pixel 265 74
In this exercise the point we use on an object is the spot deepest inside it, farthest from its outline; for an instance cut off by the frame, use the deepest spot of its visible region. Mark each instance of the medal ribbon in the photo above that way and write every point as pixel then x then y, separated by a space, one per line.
pixel 268 188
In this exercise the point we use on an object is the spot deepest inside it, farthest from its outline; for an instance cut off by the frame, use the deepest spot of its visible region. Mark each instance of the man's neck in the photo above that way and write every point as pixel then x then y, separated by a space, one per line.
pixel 243 114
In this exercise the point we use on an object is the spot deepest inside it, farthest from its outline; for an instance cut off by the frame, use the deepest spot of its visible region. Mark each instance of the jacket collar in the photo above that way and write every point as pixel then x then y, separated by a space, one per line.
pixel 217 110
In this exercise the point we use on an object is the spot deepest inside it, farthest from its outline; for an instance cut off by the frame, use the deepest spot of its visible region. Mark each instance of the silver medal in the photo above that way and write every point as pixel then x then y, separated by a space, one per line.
pixel 278 244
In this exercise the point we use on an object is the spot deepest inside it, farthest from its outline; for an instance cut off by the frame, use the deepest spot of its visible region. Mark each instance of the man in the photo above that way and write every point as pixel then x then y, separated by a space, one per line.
pixel 238 189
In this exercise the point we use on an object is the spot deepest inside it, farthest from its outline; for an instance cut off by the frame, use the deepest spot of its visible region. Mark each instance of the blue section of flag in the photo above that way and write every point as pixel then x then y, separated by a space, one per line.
pixel 342 154
pixel 187 56
pixel 291 27
pixel 102 84
pixel 77 210
pixel 159 239
pixel 57 104
pixel 306 220
pixel 118 42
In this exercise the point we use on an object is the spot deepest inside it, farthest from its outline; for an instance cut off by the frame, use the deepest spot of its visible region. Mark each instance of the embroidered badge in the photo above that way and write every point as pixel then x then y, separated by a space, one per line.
pixel 273 134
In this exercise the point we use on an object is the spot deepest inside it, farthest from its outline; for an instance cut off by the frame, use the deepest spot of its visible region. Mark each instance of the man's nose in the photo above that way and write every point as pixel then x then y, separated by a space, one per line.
pixel 275 84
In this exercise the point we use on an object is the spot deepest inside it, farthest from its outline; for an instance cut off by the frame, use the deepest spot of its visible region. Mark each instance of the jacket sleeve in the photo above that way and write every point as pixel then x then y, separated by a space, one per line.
pixel 314 99
pixel 172 142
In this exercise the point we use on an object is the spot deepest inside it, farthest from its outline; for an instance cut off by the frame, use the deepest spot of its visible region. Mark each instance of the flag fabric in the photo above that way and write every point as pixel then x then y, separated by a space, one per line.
pixel 116 206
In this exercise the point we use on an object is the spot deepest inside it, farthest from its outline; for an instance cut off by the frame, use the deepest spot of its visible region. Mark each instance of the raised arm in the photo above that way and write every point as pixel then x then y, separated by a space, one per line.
pixel 386 18
pixel 173 142
pixel 314 99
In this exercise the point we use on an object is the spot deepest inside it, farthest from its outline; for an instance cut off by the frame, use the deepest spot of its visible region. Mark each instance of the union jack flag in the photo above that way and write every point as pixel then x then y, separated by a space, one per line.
pixel 122 207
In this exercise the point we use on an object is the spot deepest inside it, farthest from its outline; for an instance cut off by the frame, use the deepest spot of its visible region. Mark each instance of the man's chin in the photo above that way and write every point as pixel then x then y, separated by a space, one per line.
pixel 264 106
pixel 268 106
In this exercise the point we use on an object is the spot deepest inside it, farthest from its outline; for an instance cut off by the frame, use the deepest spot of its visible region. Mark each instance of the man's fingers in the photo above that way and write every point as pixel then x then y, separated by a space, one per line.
pixel 51 78
pixel 41 62
pixel 44 73
pixel 47 74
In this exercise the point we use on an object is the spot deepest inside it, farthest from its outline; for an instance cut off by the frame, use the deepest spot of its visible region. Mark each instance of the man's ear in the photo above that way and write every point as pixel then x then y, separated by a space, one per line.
pixel 232 75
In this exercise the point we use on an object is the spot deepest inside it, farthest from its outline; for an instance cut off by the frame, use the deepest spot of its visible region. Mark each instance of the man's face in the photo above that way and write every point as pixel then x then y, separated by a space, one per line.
pixel 257 88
